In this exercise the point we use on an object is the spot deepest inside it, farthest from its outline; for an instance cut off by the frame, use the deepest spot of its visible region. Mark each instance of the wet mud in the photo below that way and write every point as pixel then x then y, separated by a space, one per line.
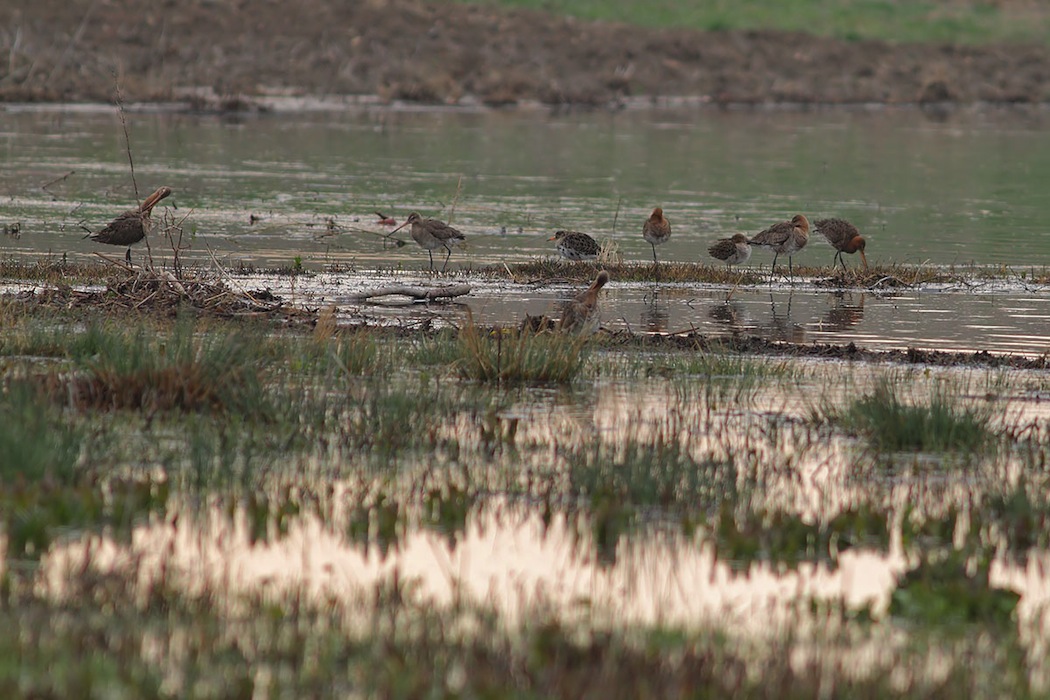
pixel 165 296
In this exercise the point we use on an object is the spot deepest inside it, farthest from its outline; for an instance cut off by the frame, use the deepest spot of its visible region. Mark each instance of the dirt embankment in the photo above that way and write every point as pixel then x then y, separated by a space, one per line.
pixel 77 50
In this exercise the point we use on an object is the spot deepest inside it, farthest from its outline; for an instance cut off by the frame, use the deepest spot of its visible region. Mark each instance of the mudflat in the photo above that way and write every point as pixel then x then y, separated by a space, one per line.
pixel 447 53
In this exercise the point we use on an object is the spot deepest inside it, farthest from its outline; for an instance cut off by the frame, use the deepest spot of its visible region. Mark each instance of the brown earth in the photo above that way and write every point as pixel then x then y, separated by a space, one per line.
pixel 79 50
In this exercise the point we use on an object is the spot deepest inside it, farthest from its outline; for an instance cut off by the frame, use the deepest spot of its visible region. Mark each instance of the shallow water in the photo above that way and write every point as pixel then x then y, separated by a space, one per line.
pixel 1008 319
pixel 961 187
pixel 522 562
pixel 966 188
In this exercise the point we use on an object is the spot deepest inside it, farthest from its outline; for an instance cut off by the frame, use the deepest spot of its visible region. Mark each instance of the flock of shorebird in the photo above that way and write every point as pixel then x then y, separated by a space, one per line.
pixel 783 238
pixel 580 314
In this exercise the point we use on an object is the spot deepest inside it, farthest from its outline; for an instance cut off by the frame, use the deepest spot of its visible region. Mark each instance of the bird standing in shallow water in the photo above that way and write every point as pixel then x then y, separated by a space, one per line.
pixel 784 238
pixel 432 234
pixel 843 237
pixel 131 226
pixel 581 315
pixel 656 230
pixel 576 246
pixel 732 251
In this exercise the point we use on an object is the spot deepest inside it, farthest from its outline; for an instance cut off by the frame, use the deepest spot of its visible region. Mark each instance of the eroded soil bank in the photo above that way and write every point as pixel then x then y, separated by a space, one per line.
pixel 434 52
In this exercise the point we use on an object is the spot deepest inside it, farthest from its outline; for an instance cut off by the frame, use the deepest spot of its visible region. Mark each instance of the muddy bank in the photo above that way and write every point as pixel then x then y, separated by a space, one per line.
pixel 755 345
pixel 164 296
pixel 62 50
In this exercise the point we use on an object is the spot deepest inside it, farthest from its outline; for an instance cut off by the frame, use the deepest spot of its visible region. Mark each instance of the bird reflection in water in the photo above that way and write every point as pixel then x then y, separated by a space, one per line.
pixel 729 316
pixel 780 326
pixel 654 314
pixel 845 314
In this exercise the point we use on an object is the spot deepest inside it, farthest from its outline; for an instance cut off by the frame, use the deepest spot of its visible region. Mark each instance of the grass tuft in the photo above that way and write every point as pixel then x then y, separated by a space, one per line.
pixel 180 371
pixel 877 277
pixel 938 425
pixel 510 356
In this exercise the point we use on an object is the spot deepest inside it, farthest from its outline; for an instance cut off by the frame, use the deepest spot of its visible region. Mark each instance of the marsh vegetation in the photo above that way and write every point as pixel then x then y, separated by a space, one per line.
pixel 218 503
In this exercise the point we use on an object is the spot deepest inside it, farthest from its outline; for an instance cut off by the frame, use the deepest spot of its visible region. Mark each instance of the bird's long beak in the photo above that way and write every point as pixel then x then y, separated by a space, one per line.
pixel 864 259
pixel 396 230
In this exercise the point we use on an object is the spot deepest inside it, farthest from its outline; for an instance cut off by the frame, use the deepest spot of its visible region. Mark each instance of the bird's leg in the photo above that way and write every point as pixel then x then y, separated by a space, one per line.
pixel 448 254
pixel 773 272
pixel 654 253
pixel 127 256
pixel 841 260
pixel 431 254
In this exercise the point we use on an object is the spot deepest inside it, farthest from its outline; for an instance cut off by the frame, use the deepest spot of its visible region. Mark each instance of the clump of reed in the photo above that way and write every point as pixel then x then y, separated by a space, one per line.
pixel 352 351
pixel 937 425
pixel 508 355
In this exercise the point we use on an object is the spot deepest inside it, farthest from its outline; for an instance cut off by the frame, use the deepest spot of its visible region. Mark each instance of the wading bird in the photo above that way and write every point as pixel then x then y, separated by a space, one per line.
pixel 432 234
pixel 581 315
pixel 656 230
pixel 131 226
pixel 732 251
pixel 784 238
pixel 576 246
pixel 843 237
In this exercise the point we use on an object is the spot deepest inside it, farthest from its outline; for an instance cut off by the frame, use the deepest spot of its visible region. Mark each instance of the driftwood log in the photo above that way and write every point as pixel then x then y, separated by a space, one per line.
pixel 417 293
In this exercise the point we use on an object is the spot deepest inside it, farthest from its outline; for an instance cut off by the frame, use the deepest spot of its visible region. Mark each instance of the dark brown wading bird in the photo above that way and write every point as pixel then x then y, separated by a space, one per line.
pixel 843 237
pixel 656 230
pixel 576 246
pixel 784 238
pixel 581 315
pixel 432 234
pixel 732 251
pixel 131 226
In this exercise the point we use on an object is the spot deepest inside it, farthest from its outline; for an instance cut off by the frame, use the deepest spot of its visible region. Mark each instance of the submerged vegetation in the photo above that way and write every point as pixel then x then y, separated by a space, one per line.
pixel 35 441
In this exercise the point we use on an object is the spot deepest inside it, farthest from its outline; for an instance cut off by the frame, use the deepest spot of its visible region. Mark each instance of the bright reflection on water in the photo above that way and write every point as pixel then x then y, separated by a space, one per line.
pixel 510 557
pixel 1009 320
pixel 507 558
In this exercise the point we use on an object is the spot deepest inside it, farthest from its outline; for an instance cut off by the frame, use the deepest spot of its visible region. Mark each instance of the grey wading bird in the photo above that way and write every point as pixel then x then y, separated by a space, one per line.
pixel 432 234
pixel 656 230
pixel 784 238
pixel 731 251
pixel 131 226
